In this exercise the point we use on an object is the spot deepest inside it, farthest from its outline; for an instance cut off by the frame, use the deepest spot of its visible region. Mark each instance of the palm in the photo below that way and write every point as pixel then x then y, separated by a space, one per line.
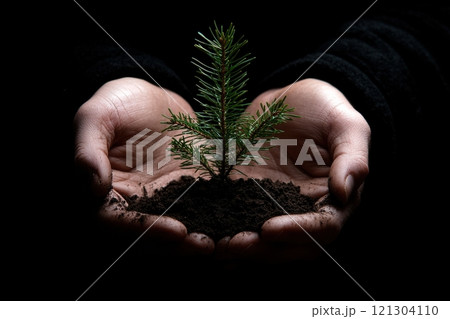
pixel 324 113
pixel 141 108
pixel 132 179
pixel 124 108
pixel 282 163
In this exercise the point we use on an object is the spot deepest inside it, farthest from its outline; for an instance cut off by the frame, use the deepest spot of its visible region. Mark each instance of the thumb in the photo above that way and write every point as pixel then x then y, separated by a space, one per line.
pixel 92 140
pixel 350 139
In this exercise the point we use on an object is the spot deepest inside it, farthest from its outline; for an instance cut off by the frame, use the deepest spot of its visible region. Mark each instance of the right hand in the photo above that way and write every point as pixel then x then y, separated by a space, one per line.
pixel 114 114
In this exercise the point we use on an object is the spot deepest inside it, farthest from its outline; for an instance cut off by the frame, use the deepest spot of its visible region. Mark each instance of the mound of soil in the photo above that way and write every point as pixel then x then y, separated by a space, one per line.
pixel 218 209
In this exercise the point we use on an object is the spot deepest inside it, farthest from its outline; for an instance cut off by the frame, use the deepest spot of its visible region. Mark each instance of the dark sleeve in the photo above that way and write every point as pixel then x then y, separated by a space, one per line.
pixel 392 68
pixel 94 65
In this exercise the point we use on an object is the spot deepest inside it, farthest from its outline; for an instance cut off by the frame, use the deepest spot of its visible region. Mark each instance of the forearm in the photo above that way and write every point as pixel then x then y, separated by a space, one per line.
pixel 391 68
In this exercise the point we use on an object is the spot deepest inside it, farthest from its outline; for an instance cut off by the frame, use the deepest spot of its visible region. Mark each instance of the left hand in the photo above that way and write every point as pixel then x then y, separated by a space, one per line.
pixel 104 124
pixel 342 137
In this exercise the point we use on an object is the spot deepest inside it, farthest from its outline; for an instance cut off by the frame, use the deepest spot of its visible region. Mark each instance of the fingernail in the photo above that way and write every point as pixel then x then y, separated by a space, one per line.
pixel 349 185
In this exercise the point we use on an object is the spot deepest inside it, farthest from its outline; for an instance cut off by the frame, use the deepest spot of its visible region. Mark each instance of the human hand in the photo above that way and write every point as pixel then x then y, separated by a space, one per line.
pixel 342 137
pixel 114 114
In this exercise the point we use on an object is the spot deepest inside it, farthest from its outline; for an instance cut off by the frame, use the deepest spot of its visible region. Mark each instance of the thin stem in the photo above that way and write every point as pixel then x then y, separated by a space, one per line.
pixel 223 127
pixel 255 132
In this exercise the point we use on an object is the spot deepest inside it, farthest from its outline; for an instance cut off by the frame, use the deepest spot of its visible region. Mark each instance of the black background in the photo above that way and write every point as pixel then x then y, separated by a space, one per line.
pixel 395 246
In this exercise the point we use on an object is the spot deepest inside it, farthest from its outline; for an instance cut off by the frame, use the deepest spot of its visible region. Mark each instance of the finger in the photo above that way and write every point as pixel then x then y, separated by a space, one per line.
pixel 349 142
pixel 242 246
pixel 224 255
pixel 197 244
pixel 249 246
pixel 92 140
pixel 241 243
pixel 315 227
pixel 222 248
pixel 115 215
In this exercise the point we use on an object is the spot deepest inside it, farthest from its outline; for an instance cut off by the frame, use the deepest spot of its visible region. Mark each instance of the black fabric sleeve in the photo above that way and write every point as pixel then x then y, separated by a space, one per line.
pixel 94 65
pixel 392 67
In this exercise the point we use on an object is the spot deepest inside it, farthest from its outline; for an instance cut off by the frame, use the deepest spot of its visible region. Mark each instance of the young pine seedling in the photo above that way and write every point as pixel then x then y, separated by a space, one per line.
pixel 221 137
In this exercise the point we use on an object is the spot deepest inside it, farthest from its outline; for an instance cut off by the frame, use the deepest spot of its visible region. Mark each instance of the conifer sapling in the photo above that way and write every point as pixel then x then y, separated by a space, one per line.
pixel 218 138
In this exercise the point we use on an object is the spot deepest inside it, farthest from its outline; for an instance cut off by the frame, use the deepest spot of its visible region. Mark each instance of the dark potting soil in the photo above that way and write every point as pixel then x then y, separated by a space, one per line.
pixel 220 209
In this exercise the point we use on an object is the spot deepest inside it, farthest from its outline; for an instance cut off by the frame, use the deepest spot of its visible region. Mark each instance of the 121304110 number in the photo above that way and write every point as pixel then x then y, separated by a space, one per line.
pixel 415 310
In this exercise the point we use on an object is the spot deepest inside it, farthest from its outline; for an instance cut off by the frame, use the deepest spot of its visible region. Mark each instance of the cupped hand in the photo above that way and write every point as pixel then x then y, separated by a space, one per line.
pixel 118 111
pixel 342 137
